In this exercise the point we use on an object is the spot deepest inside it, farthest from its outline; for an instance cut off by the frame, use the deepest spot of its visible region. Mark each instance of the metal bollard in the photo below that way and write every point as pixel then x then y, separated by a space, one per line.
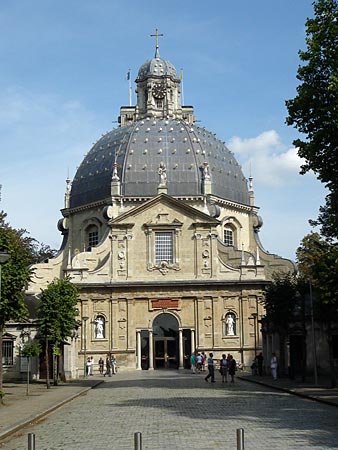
pixel 138 441
pixel 240 438
pixel 31 441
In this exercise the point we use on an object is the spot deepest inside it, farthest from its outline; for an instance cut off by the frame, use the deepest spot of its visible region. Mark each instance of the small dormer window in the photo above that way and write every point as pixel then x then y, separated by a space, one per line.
pixel 228 237
pixel 92 236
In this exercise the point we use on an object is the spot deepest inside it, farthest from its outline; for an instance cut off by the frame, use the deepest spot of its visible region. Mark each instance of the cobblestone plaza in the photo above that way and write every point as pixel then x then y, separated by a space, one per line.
pixel 178 410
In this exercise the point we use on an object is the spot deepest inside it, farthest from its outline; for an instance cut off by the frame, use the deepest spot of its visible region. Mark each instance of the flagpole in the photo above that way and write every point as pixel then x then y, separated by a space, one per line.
pixel 182 88
pixel 130 92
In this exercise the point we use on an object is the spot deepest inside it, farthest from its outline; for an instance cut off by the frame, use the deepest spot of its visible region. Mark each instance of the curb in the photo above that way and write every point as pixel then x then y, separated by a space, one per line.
pixel 291 391
pixel 39 416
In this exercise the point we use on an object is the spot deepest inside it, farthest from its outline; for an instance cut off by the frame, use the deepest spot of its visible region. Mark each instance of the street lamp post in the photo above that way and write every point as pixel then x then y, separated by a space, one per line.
pixel 4 257
pixel 314 353
pixel 85 318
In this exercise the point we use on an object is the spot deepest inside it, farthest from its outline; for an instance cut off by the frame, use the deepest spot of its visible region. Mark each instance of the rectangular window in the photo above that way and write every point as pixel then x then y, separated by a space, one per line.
pixel 228 237
pixel 7 353
pixel 159 103
pixel 163 247
pixel 93 238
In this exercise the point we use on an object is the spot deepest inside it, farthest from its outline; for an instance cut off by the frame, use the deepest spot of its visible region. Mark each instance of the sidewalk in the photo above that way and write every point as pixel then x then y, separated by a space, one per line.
pixel 320 392
pixel 19 409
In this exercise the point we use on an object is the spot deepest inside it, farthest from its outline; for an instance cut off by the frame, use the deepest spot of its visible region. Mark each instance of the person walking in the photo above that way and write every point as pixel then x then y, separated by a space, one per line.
pixel 88 364
pixel 204 357
pixel 232 368
pixel 211 368
pixel 199 362
pixel 114 364
pixel 193 362
pixel 260 359
pixel 273 366
pixel 223 367
pixel 91 369
pixel 101 366
pixel 108 366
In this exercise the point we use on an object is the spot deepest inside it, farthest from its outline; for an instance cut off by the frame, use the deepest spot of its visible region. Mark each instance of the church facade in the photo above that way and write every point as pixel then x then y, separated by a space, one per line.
pixel 161 236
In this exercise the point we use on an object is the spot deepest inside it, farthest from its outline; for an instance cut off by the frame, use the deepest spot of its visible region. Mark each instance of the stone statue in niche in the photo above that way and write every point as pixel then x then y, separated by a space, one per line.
pixel 230 325
pixel 99 327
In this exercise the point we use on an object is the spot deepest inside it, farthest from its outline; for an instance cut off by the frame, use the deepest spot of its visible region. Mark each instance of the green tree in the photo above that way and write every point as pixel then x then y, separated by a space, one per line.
pixel 15 275
pixel 57 313
pixel 314 110
pixel 318 262
pixel 282 301
pixel 30 349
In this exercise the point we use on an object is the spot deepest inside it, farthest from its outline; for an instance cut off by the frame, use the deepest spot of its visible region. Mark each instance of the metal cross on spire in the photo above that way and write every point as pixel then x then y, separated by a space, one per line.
pixel 157 35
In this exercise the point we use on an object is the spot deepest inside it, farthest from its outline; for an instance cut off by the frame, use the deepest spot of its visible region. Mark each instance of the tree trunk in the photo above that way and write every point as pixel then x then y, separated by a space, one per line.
pixel 304 349
pixel 55 370
pixel 1 368
pixel 47 362
pixel 282 369
pixel 333 375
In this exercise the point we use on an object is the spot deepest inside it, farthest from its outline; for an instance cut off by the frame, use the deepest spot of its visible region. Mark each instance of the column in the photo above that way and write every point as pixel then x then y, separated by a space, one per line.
pixel 138 350
pixel 151 350
pixel 193 346
pixel 180 345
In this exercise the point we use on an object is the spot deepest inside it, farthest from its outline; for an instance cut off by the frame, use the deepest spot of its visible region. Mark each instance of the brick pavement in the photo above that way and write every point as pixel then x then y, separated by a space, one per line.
pixel 177 410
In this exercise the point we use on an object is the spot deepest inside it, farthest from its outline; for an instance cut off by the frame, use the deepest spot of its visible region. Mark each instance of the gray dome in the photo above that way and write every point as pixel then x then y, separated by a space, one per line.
pixel 138 150
pixel 157 67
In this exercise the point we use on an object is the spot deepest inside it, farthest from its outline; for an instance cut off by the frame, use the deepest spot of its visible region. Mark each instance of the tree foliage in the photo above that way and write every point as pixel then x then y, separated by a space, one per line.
pixel 57 310
pixel 314 110
pixel 318 262
pixel 281 300
pixel 15 275
pixel 32 348
pixel 57 313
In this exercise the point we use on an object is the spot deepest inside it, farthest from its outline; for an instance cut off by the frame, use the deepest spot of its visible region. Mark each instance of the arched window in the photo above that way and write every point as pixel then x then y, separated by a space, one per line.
pixel 228 236
pixel 100 327
pixel 231 231
pixel 92 236
pixel 230 324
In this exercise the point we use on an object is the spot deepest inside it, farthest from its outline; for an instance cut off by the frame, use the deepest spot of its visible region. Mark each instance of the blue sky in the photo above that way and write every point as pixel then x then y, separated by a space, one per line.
pixel 62 82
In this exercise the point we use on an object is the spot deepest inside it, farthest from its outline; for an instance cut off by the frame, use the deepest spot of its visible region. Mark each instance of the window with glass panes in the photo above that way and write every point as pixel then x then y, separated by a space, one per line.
pixel 92 236
pixel 7 353
pixel 228 237
pixel 163 247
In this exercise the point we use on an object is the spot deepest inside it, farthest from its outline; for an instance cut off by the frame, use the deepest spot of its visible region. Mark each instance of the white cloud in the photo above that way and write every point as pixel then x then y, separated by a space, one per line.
pixel 271 163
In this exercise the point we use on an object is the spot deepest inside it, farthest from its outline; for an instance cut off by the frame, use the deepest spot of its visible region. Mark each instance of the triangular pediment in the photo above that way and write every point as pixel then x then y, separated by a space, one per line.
pixel 173 204
pixel 8 336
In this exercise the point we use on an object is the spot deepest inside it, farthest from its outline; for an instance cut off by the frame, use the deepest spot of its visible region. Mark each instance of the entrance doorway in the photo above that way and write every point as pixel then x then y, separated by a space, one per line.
pixel 165 332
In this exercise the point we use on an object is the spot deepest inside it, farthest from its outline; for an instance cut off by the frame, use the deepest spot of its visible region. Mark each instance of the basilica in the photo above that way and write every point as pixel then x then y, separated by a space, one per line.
pixel 161 236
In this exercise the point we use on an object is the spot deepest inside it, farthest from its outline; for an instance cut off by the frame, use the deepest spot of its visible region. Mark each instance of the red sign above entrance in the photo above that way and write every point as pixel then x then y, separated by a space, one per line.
pixel 165 303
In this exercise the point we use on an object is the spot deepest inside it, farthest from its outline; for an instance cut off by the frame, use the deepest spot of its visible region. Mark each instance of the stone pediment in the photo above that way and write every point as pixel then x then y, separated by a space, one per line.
pixel 171 203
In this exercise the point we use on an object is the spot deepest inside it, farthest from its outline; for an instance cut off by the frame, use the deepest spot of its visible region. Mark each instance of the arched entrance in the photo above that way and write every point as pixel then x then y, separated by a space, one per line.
pixel 166 342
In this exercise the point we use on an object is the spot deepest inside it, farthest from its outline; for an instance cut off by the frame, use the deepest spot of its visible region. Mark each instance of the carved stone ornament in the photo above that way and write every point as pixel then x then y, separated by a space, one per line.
pixel 164 267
